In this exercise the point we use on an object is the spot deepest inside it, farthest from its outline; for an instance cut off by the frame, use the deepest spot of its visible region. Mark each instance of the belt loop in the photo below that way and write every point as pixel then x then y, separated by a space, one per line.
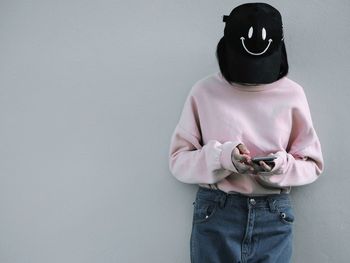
pixel 272 204
pixel 222 200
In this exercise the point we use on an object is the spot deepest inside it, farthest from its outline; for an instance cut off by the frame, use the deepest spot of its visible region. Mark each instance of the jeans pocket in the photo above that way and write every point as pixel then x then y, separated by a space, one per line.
pixel 286 214
pixel 204 210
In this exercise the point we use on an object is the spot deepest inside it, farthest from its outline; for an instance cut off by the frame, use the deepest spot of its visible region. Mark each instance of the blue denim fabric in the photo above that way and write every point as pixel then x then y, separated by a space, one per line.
pixel 236 228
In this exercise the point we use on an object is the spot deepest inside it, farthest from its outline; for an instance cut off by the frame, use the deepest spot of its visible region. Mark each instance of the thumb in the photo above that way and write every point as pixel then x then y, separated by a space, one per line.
pixel 243 148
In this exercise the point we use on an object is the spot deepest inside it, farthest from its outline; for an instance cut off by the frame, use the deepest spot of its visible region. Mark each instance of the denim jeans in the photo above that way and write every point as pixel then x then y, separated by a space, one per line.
pixel 236 228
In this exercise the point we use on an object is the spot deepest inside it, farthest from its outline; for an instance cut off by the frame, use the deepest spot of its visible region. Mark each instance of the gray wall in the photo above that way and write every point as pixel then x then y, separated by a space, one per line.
pixel 90 92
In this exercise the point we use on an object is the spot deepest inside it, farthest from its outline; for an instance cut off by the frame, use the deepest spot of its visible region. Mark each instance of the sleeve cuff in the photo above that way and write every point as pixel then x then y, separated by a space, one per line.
pixel 279 162
pixel 225 155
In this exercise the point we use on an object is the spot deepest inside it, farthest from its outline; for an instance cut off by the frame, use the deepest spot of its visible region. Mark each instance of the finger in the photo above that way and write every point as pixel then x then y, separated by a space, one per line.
pixel 249 160
pixel 268 167
pixel 241 157
pixel 243 149
pixel 246 158
pixel 265 166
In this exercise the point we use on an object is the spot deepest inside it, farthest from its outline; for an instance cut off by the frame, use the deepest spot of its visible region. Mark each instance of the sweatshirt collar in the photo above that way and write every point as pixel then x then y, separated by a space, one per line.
pixel 249 87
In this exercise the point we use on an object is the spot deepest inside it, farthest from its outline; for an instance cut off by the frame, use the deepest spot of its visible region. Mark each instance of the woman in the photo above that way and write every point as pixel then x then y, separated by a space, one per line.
pixel 243 211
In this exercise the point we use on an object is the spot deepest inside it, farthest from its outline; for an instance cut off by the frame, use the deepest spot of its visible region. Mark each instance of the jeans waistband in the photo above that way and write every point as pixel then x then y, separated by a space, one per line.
pixel 257 201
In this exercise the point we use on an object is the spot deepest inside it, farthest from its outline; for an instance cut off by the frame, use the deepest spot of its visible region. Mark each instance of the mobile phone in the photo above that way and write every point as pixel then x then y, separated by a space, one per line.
pixel 267 159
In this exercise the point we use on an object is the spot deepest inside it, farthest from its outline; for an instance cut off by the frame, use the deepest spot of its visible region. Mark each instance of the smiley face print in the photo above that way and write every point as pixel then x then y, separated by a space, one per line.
pixel 263 38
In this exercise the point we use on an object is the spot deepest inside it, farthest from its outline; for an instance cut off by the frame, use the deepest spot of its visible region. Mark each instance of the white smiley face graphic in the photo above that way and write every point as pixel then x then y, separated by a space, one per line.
pixel 263 36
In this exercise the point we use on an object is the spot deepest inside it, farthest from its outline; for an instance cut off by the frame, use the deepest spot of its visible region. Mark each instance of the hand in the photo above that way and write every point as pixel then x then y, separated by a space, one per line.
pixel 275 167
pixel 241 159
pixel 263 167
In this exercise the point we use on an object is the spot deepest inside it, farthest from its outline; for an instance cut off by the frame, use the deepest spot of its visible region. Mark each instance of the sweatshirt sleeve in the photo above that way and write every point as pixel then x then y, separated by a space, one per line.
pixel 302 162
pixel 189 160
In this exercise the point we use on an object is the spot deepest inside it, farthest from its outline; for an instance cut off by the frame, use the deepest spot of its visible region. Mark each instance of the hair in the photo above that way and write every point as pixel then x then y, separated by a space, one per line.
pixel 222 57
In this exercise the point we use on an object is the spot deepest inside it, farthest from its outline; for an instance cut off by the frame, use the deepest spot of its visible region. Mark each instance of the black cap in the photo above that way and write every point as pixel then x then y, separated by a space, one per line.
pixel 253 43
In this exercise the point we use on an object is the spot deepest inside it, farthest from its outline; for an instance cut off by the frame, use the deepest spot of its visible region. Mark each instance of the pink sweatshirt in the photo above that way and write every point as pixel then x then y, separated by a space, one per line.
pixel 269 118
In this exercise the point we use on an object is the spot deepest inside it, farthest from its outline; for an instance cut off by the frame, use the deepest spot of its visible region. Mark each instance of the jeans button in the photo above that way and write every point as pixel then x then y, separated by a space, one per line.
pixel 252 201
